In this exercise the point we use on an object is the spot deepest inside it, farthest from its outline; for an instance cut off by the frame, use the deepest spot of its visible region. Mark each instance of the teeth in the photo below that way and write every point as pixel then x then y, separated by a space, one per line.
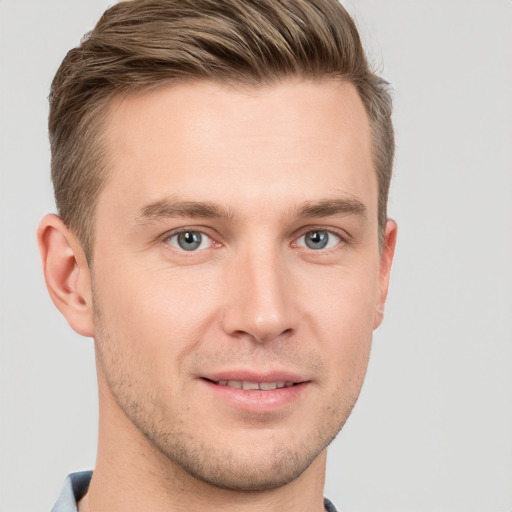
pixel 247 385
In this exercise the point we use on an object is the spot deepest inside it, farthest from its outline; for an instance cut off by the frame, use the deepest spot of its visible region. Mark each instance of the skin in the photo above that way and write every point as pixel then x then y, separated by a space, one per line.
pixel 253 173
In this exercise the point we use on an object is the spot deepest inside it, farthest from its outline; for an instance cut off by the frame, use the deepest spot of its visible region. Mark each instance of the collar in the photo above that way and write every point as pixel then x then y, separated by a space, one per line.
pixel 76 485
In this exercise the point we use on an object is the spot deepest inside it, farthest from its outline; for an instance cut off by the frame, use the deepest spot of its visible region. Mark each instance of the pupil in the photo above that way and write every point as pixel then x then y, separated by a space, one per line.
pixel 317 239
pixel 189 240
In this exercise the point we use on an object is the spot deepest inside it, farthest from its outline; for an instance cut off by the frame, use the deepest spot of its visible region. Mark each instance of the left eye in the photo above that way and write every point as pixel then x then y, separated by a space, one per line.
pixel 190 240
pixel 318 239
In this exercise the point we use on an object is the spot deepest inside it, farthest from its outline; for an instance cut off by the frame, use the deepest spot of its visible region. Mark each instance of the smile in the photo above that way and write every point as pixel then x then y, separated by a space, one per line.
pixel 257 394
pixel 248 385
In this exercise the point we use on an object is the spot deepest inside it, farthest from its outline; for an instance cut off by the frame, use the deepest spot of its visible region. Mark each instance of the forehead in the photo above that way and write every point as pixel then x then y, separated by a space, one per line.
pixel 207 141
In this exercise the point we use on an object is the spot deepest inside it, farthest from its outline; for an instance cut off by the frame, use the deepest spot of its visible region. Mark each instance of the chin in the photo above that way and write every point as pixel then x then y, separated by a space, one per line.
pixel 247 471
pixel 232 464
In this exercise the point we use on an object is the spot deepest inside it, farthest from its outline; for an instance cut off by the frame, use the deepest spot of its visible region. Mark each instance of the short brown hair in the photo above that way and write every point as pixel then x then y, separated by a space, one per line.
pixel 142 44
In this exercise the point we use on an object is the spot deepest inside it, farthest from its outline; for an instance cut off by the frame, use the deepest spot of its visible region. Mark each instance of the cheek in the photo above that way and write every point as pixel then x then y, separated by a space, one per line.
pixel 348 339
pixel 343 301
pixel 156 312
pixel 342 312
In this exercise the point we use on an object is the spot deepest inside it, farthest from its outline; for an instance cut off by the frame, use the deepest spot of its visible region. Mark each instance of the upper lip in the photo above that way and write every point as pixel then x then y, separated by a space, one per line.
pixel 253 376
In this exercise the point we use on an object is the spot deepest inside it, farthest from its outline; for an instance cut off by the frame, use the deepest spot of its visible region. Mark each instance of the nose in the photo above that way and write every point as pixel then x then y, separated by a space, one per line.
pixel 259 297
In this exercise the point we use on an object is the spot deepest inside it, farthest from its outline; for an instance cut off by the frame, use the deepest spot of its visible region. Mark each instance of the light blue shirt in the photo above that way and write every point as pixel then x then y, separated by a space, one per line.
pixel 76 485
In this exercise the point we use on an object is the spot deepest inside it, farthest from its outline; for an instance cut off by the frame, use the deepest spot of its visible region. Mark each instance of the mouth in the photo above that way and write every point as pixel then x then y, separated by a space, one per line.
pixel 257 393
pixel 247 385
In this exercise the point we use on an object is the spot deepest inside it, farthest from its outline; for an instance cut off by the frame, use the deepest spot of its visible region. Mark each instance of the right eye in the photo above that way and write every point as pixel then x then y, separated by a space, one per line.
pixel 190 241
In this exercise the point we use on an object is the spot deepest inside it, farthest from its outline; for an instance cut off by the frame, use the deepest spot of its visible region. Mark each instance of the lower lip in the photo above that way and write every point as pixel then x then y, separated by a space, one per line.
pixel 256 400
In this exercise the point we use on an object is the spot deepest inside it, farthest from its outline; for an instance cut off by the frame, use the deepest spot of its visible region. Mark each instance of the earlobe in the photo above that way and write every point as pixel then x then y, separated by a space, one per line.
pixel 66 273
pixel 386 260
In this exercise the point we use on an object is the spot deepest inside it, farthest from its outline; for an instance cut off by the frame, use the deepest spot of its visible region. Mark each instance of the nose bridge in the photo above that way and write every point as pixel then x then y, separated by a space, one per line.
pixel 259 298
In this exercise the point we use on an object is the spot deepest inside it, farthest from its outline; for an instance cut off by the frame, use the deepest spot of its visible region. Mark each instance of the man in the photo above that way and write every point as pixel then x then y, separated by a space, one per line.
pixel 221 171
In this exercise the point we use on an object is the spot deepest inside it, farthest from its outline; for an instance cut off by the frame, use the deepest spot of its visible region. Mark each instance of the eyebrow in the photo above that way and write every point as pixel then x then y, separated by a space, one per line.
pixel 328 207
pixel 171 208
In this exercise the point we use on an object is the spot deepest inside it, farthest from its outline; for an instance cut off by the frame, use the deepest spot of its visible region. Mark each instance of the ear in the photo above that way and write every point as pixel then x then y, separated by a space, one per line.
pixel 66 273
pixel 386 259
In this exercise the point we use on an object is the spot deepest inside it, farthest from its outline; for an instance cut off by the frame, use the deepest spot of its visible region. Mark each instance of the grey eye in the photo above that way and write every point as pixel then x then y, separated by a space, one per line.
pixel 189 240
pixel 318 240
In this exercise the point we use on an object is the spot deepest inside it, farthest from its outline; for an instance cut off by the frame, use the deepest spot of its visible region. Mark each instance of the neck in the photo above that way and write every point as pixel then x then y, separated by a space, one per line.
pixel 131 474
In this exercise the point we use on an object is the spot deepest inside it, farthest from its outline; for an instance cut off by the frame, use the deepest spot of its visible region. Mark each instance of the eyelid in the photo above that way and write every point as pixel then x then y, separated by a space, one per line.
pixel 341 234
pixel 189 229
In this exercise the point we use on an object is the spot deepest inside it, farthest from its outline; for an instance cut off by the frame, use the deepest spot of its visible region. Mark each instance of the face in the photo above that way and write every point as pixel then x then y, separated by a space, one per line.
pixel 237 277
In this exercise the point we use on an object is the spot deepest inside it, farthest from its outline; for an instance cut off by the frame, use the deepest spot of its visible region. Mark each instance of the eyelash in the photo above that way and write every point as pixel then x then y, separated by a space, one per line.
pixel 337 239
pixel 341 237
pixel 174 235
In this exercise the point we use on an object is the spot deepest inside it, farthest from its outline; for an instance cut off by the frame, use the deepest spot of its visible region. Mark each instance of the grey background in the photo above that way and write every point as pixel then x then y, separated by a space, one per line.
pixel 432 430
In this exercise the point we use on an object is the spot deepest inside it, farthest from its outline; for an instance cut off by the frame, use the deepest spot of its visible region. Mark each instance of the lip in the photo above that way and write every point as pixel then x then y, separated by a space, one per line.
pixel 253 376
pixel 256 400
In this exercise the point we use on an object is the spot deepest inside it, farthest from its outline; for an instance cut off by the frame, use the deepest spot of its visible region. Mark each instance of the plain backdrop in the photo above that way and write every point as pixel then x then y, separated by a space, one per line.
pixel 432 430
